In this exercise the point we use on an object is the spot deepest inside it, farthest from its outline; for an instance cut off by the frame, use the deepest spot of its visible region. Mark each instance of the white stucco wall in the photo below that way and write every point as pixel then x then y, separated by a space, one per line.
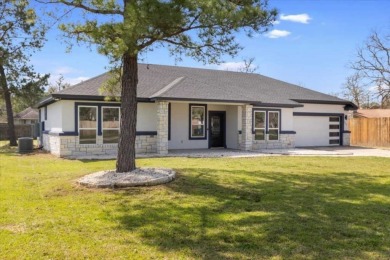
pixel 287 119
pixel 61 116
pixel 147 117
pixel 67 115
pixel 320 108
pixel 232 127
pixel 54 117
pixel 239 122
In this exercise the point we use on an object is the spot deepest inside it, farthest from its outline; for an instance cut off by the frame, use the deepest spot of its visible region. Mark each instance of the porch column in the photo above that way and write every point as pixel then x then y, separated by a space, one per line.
pixel 246 136
pixel 162 127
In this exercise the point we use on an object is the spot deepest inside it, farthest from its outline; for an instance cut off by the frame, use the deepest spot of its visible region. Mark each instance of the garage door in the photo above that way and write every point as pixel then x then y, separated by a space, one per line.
pixel 317 130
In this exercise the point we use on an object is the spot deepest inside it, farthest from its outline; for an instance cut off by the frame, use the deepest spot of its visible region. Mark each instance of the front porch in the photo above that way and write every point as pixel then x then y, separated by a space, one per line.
pixel 185 125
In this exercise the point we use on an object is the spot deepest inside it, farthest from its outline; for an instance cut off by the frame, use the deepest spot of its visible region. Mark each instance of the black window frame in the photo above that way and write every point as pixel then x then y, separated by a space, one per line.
pixel 278 129
pixel 97 123
pixel 102 122
pixel 267 110
pixel 265 124
pixel 190 122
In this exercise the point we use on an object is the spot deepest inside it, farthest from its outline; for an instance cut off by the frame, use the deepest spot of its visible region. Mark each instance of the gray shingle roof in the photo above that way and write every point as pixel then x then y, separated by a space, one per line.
pixel 171 82
pixel 28 113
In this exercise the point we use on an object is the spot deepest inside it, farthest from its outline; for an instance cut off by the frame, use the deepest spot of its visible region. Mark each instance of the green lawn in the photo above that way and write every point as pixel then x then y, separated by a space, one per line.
pixel 268 207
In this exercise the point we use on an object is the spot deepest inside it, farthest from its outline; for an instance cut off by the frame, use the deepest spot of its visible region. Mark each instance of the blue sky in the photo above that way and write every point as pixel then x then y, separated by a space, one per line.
pixel 310 45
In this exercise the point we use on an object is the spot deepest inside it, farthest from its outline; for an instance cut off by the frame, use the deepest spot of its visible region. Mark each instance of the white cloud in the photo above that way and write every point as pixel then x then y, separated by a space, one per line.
pixel 64 70
pixel 231 66
pixel 297 18
pixel 234 66
pixel 276 22
pixel 277 34
pixel 73 81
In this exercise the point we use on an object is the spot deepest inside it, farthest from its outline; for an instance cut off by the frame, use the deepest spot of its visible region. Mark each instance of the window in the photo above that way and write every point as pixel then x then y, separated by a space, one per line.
pixel 110 124
pixel 273 126
pixel 334 126
pixel 198 119
pixel 334 141
pixel 333 134
pixel 334 119
pixel 259 126
pixel 87 124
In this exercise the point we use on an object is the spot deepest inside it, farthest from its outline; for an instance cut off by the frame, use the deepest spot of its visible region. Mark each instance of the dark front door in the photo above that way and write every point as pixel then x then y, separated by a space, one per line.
pixel 217 129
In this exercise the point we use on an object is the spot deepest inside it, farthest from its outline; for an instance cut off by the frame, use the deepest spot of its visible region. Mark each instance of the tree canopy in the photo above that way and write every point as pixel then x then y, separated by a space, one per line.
pixel 20 36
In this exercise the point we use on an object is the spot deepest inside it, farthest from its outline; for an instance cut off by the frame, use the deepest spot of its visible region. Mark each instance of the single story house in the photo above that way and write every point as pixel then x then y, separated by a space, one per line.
pixel 371 113
pixel 192 108
pixel 28 116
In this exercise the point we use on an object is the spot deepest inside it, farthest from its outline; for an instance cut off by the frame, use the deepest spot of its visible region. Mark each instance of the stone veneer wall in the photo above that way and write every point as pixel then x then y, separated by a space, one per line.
pixel 246 133
pixel 346 139
pixel 68 146
pixel 162 127
pixel 285 141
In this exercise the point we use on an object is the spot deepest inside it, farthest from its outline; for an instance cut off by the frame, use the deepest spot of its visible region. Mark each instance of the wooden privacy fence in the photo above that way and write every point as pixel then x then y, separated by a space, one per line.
pixel 370 131
pixel 20 131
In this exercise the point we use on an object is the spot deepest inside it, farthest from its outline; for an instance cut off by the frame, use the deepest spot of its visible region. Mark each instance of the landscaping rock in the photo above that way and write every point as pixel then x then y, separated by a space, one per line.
pixel 138 177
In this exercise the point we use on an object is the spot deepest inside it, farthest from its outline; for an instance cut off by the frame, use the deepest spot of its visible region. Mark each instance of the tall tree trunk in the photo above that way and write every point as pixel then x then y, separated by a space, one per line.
pixel 8 105
pixel 126 147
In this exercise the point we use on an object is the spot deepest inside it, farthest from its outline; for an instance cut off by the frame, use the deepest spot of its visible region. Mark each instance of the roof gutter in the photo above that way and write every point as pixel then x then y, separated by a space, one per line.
pixel 56 97
pixel 254 103
pixel 348 104
pixel 47 101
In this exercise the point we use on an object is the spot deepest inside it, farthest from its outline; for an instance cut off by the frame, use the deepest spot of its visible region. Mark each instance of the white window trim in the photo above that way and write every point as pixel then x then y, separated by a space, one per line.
pixel 103 119
pixel 273 128
pixel 204 122
pixel 97 122
pixel 258 128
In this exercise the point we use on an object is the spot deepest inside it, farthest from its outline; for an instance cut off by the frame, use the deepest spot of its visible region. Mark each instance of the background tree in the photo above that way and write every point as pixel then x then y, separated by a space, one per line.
pixel 354 90
pixel 59 84
pixel 122 30
pixel 373 63
pixel 29 94
pixel 20 35
pixel 249 66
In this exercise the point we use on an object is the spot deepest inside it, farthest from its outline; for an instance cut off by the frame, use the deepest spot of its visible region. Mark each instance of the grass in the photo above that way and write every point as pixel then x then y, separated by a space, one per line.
pixel 254 208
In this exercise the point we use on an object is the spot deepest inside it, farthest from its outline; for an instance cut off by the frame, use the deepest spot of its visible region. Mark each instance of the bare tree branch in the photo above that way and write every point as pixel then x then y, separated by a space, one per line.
pixel 373 62
pixel 84 7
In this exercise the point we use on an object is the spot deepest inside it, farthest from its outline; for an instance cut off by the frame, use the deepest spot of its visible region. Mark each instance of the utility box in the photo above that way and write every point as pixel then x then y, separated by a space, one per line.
pixel 25 145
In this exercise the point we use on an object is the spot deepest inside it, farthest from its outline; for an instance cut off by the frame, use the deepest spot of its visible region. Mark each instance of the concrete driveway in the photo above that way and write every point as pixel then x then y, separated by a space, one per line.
pixel 332 151
pixel 304 151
